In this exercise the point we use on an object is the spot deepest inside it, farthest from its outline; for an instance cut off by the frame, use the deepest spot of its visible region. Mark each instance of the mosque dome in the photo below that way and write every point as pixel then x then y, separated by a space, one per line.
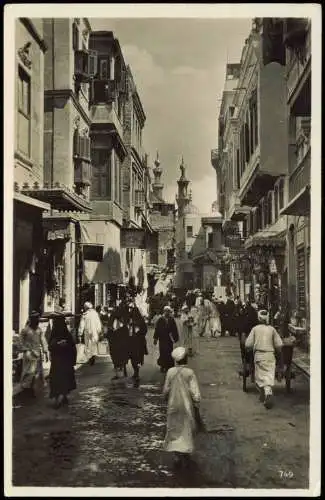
pixel 191 209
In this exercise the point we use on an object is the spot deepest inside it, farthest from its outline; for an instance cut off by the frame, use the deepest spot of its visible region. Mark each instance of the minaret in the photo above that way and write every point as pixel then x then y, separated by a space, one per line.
pixel 157 185
pixel 183 197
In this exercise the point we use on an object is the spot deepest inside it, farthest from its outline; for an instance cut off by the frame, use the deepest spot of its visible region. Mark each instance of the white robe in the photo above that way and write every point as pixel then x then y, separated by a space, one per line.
pixel 214 323
pixel 90 326
pixel 263 340
pixel 183 391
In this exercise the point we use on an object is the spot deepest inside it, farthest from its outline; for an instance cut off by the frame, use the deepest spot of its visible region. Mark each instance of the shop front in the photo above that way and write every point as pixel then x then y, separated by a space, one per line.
pixel 101 279
pixel 60 278
pixel 28 258
pixel 268 284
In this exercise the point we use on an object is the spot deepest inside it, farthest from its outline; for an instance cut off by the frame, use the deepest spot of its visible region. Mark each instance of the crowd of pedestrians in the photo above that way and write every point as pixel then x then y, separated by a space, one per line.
pixel 176 320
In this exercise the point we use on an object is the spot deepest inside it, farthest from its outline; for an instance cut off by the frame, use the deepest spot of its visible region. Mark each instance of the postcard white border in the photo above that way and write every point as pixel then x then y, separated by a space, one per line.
pixel 314 12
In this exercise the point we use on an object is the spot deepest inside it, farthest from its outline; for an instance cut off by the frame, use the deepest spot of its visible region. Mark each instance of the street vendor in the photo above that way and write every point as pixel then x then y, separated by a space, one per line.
pixel 265 342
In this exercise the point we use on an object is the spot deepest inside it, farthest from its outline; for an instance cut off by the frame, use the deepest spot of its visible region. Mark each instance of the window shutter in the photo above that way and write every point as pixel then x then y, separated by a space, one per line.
pixel 82 147
pixel 92 62
pixel 76 148
pixel 246 143
pixel 238 168
pixel 75 36
pixel 301 278
pixel 88 148
pixel 281 194
pixel 276 203
pixel 78 62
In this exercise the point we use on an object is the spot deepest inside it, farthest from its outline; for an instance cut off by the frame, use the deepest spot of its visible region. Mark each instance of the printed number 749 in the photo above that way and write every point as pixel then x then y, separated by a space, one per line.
pixel 286 474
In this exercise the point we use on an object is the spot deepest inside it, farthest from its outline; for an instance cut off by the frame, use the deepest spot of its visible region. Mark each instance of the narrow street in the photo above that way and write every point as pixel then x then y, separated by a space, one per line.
pixel 111 434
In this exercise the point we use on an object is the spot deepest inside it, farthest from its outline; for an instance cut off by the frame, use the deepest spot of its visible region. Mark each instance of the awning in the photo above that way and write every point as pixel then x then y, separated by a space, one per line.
pixel 106 234
pixel 207 257
pixel 22 198
pixel 265 239
pixel 299 205
pixel 60 198
pixel 238 212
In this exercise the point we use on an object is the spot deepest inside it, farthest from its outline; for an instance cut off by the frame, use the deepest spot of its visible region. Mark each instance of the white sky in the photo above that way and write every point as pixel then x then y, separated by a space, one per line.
pixel 179 69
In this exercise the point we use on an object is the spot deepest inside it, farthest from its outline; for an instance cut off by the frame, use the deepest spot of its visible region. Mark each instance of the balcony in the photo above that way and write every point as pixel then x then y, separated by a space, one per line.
pixel 104 119
pixel 102 91
pixel 215 158
pixel 299 77
pixel 60 197
pixel 105 114
pixel 138 151
pixel 82 172
pixel 139 201
pixel 299 189
pixel 107 210
pixel 236 211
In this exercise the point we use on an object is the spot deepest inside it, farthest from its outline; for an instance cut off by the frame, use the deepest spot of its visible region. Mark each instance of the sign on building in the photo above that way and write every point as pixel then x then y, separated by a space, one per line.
pixel 133 238
pixel 233 240
pixel 94 253
pixel 138 238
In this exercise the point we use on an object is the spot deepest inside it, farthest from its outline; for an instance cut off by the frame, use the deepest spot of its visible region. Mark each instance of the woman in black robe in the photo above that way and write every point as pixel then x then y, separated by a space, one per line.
pixel 166 333
pixel 63 354
pixel 137 347
pixel 118 337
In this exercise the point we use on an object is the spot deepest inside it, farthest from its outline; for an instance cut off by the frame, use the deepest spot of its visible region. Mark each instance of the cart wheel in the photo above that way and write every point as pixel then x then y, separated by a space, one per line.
pixel 288 379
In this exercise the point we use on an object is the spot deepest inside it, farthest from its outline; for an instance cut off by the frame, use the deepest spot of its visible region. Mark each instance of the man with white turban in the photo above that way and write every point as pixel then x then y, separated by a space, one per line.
pixel 182 390
pixel 90 327
pixel 265 342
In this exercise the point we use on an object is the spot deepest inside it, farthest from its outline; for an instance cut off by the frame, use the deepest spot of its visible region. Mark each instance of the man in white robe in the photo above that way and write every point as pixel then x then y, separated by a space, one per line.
pixel 90 327
pixel 265 341
pixel 183 393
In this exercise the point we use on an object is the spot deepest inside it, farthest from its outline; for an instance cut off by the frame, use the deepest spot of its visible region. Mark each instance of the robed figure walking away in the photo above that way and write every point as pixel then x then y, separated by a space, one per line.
pixel 137 345
pixel 166 334
pixel 63 355
pixel 183 393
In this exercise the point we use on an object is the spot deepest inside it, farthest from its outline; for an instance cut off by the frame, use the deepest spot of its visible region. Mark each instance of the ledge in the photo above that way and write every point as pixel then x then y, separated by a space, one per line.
pixel 22 198
pixel 299 205
pixel 32 30
pixel 60 198
pixel 68 94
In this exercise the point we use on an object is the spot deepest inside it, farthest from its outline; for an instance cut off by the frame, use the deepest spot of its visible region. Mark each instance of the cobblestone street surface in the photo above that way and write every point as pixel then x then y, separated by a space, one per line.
pixel 111 434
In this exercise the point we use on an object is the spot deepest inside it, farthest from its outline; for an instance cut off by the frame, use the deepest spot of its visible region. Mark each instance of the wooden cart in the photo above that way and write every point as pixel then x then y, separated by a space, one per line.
pixel 248 370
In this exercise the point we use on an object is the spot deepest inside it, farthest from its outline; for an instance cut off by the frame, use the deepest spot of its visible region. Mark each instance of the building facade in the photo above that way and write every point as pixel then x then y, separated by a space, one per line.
pixel 297 43
pixel 135 188
pixel 257 162
pixel 263 166
pixel 118 222
pixel 28 243
pixel 199 249
pixel 52 160
pixel 161 257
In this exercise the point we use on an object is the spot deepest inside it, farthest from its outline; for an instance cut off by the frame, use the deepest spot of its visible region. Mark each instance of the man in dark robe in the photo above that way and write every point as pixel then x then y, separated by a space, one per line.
pixel 221 308
pixel 166 333
pixel 137 347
